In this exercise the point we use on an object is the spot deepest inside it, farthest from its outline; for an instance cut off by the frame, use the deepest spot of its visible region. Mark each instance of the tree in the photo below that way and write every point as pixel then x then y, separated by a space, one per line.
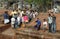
pixel 43 4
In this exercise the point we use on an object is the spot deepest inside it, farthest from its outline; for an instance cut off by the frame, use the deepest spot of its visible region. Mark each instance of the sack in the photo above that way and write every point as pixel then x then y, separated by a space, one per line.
pixel 23 25
pixel 6 21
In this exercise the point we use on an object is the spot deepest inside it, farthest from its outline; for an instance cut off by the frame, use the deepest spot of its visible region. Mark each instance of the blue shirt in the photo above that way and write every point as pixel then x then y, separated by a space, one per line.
pixel 38 22
pixel 6 16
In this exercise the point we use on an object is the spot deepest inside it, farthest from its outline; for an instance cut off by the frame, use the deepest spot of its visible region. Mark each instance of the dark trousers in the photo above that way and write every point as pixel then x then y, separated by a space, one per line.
pixel 37 27
pixel 50 26
pixel 30 18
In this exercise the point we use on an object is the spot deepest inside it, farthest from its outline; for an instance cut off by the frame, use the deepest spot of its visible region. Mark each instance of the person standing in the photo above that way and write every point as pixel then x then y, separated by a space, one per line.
pixel 54 23
pixel 50 22
pixel 44 25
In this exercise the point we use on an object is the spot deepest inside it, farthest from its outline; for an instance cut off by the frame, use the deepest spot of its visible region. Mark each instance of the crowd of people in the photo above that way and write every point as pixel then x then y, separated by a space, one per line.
pixel 17 17
pixel 50 22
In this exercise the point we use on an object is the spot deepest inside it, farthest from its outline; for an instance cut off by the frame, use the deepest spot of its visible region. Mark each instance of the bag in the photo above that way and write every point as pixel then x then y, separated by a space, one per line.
pixel 6 21
pixel 23 25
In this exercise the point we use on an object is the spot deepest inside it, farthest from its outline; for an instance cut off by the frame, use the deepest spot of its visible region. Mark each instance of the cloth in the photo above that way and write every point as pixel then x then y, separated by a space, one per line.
pixel 50 20
pixel 33 15
pixel 12 20
pixel 44 24
pixel 50 27
pixel 36 13
pixel 38 22
pixel 54 19
pixel 18 20
pixel 21 14
pixel 25 18
pixel 22 19
pixel 6 21
pixel 6 16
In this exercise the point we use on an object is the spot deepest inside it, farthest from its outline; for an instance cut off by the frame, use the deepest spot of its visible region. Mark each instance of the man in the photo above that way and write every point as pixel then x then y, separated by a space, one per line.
pixel 38 24
pixel 54 23
pixel 6 17
pixel 50 22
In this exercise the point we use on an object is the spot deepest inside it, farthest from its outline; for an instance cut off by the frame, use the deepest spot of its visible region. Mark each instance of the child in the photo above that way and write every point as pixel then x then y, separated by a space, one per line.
pixel 44 24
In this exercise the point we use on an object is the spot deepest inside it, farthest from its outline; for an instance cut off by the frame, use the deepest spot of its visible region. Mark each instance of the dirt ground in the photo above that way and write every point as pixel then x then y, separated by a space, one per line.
pixel 32 23
pixel 41 16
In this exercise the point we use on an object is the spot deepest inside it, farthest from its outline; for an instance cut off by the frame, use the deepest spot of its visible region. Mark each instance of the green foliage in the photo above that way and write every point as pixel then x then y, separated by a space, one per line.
pixel 41 3
pixel 29 1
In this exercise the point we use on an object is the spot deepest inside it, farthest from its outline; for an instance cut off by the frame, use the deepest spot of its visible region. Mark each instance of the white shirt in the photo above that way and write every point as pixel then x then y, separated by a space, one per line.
pixel 28 12
pixel 12 20
pixel 36 13
pixel 45 23
pixel 22 13
pixel 18 19
pixel 50 20
pixel 33 15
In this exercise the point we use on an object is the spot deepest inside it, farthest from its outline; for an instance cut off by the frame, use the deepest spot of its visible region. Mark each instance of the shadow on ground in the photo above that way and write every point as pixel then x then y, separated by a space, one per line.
pixel 3 28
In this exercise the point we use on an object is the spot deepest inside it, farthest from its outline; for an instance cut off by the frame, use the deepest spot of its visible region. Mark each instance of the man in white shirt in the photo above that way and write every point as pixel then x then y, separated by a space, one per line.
pixel 50 22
